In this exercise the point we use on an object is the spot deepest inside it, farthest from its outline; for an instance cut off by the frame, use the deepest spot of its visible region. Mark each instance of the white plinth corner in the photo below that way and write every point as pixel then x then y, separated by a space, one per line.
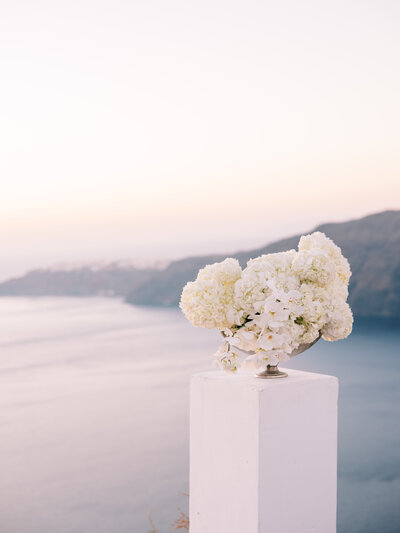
pixel 263 453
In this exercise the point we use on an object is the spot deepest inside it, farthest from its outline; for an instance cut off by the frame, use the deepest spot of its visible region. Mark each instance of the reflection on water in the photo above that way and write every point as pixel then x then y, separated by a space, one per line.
pixel 94 416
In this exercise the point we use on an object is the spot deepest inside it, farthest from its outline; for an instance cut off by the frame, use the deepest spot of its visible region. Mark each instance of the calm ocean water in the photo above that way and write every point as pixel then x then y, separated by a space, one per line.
pixel 94 416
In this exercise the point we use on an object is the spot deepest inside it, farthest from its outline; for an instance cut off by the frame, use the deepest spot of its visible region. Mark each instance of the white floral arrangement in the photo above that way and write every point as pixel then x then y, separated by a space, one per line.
pixel 277 303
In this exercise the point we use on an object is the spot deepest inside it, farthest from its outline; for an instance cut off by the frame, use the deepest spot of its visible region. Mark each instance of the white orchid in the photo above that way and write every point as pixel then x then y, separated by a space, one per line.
pixel 270 341
pixel 226 358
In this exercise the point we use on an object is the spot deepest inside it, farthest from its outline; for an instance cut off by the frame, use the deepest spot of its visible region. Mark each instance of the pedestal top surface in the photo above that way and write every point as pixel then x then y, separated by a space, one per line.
pixel 248 379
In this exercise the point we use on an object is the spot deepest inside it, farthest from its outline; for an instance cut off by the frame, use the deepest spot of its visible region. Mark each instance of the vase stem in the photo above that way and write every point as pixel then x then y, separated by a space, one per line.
pixel 272 371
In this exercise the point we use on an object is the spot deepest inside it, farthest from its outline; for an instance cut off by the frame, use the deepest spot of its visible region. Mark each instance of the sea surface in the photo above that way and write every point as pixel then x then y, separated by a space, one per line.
pixel 94 416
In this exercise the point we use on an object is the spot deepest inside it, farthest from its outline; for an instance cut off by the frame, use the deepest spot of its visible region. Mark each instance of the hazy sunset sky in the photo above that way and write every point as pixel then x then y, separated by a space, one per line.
pixel 156 129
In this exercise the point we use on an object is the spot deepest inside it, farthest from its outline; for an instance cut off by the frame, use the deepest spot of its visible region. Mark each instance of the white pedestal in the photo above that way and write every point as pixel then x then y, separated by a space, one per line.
pixel 263 453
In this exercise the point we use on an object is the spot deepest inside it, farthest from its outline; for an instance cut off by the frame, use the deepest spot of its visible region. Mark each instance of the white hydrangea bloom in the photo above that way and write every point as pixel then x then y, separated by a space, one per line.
pixel 319 240
pixel 340 322
pixel 314 265
pixel 226 272
pixel 253 286
pixel 313 299
pixel 209 301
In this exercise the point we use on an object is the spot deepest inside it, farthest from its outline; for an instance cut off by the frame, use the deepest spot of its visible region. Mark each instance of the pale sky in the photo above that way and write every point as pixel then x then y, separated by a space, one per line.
pixel 156 129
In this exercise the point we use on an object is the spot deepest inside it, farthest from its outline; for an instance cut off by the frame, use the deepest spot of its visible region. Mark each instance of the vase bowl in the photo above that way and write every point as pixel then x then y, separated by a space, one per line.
pixel 272 371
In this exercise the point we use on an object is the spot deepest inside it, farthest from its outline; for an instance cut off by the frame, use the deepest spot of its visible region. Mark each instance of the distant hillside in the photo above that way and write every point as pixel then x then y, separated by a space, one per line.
pixel 112 280
pixel 372 245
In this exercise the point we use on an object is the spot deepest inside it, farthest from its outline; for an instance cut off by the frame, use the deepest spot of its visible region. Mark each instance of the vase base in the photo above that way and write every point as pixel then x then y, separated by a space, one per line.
pixel 272 372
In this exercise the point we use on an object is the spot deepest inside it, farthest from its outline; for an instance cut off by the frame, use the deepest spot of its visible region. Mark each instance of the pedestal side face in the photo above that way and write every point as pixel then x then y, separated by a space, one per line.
pixel 224 427
pixel 298 456
pixel 263 454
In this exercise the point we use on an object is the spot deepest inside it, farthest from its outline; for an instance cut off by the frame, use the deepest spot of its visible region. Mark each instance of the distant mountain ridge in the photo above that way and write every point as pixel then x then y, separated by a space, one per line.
pixel 109 280
pixel 372 245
